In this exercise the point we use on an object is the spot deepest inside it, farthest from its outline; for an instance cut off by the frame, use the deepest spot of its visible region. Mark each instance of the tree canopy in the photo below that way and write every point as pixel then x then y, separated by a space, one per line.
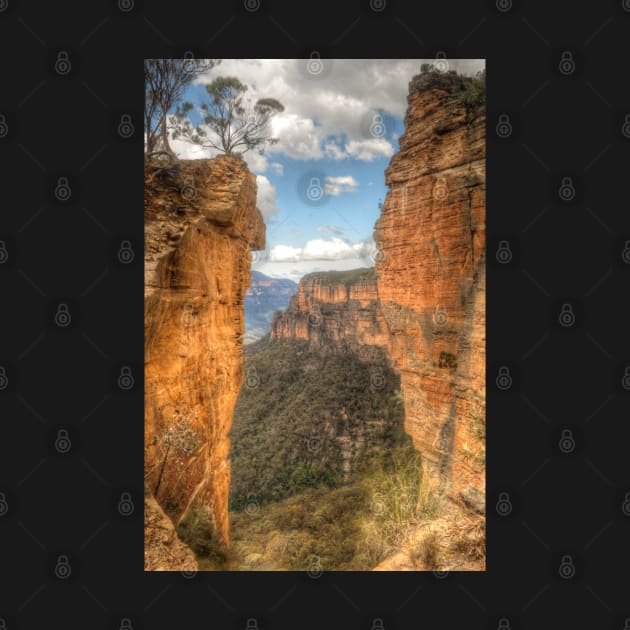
pixel 228 122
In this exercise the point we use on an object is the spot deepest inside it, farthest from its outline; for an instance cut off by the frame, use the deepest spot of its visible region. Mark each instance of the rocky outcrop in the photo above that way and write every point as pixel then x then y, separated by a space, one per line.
pixel 201 222
pixel 335 311
pixel 163 550
pixel 431 276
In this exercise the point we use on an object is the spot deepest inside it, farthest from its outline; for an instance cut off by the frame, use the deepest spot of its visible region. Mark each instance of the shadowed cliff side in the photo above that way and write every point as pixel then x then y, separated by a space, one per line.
pixel 431 278
pixel 201 222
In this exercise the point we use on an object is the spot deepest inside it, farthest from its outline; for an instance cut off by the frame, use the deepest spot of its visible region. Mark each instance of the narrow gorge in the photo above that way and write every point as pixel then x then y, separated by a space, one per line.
pixel 306 445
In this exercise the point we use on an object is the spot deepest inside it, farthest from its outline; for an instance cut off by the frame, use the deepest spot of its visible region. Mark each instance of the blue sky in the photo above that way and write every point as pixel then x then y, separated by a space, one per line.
pixel 320 185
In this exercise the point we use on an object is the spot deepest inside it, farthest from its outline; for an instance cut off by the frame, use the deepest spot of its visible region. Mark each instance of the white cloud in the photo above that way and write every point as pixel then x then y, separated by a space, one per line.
pixel 336 185
pixel 277 168
pixel 369 149
pixel 317 110
pixel 266 197
pixel 321 249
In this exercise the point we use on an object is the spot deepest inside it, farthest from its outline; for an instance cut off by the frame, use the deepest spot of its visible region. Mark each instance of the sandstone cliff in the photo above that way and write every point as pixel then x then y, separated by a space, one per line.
pixel 201 222
pixel 431 279
pixel 335 311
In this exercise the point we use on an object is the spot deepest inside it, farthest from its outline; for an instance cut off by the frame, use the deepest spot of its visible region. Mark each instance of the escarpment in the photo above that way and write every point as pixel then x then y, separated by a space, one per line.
pixel 201 222
pixel 431 278
pixel 335 311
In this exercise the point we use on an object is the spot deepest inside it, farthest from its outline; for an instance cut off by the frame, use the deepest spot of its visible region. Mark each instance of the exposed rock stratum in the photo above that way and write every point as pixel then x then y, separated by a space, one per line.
pixel 201 223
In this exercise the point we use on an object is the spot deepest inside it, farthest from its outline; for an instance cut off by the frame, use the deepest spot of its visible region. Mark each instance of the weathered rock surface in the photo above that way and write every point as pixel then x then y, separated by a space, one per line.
pixel 336 311
pixel 163 550
pixel 431 280
pixel 201 222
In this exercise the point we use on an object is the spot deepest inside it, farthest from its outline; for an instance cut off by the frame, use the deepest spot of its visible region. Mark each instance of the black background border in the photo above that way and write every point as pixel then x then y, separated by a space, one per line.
pixel 564 379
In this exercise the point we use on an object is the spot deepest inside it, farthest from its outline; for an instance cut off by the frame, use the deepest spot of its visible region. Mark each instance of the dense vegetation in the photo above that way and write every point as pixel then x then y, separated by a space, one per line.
pixel 304 420
pixel 346 277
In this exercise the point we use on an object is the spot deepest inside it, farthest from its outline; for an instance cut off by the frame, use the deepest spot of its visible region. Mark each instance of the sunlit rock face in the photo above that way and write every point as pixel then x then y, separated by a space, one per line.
pixel 431 280
pixel 201 223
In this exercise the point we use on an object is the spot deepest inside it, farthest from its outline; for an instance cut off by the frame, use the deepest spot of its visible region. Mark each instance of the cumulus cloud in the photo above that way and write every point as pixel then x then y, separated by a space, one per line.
pixel 323 118
pixel 336 185
pixel 326 118
pixel 321 249
pixel 277 168
pixel 266 197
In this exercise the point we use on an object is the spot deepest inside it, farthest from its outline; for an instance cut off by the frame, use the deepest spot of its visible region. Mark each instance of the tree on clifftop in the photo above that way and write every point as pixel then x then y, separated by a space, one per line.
pixel 229 123
pixel 164 84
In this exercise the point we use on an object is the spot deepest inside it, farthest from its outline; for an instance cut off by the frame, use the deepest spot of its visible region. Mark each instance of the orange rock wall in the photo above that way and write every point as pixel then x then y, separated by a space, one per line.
pixel 333 316
pixel 431 281
pixel 201 222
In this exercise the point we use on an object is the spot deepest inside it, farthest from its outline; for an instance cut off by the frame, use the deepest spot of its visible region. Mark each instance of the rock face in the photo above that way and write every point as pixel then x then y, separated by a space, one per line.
pixel 163 550
pixel 201 222
pixel 431 278
pixel 336 311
